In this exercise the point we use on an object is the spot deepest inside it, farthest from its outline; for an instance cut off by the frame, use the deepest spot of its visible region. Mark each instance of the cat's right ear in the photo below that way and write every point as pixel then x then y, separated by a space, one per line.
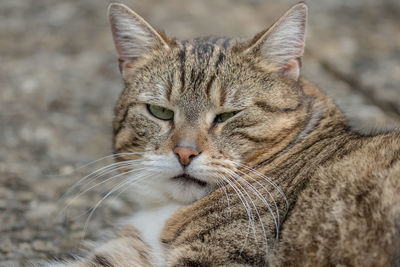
pixel 133 36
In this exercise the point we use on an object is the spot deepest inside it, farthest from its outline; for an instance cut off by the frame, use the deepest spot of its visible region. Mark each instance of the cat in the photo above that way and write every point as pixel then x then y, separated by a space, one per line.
pixel 236 160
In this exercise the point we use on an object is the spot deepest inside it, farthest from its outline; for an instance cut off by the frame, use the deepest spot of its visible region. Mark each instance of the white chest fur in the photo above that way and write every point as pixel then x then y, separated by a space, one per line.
pixel 150 222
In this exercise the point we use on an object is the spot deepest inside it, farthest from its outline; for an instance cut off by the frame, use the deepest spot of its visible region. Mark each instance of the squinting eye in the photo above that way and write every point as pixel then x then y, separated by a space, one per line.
pixel 160 112
pixel 225 116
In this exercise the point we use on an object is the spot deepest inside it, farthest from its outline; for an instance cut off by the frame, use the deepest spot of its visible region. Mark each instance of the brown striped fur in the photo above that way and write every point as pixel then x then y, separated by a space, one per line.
pixel 340 199
pixel 343 192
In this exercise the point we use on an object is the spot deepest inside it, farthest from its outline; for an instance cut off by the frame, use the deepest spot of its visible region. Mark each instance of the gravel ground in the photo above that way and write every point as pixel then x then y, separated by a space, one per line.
pixel 59 81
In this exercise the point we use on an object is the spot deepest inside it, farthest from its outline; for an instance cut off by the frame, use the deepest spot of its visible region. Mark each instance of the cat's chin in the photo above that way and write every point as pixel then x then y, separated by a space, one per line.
pixel 188 189
pixel 159 191
pixel 187 179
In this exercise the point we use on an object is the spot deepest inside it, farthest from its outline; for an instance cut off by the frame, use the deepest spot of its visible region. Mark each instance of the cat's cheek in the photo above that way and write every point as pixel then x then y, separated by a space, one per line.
pixel 228 148
pixel 160 143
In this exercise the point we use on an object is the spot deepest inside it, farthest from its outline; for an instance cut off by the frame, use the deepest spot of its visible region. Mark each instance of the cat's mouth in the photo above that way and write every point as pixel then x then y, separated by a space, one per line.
pixel 189 179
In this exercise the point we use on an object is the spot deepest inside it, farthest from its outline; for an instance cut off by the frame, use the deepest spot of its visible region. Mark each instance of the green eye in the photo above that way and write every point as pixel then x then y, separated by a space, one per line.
pixel 160 112
pixel 225 116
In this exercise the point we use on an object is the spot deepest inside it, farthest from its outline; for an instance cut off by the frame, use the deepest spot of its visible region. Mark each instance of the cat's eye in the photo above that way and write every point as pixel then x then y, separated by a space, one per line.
pixel 160 112
pixel 225 116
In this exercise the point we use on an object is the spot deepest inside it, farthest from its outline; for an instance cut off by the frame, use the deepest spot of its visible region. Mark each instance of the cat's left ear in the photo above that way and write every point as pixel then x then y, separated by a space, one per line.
pixel 133 36
pixel 282 45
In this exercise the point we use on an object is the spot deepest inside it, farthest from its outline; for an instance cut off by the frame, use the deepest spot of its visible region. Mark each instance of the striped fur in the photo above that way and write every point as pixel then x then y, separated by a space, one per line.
pixel 287 181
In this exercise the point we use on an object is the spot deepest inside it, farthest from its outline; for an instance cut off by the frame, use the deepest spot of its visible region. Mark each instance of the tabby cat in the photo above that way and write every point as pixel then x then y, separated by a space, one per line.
pixel 235 160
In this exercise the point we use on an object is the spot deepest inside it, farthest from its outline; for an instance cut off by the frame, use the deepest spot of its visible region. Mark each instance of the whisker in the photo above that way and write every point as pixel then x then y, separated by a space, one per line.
pixel 100 159
pixel 92 210
pixel 97 172
pixel 127 165
pixel 123 190
pixel 265 202
pixel 106 180
pixel 109 156
pixel 277 220
pixel 128 178
pixel 115 188
pixel 245 205
pixel 273 199
pixel 267 180
pixel 259 195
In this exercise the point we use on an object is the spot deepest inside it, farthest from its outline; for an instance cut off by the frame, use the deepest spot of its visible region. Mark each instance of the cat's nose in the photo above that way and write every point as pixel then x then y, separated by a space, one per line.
pixel 185 154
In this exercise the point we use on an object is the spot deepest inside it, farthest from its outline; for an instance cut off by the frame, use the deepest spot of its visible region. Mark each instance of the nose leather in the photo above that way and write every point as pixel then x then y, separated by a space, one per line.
pixel 185 154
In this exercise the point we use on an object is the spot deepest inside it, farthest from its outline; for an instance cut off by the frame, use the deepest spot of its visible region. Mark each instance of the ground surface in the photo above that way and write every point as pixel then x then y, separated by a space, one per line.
pixel 59 81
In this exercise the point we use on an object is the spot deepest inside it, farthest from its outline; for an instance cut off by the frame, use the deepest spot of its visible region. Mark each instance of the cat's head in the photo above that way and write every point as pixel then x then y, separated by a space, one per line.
pixel 196 111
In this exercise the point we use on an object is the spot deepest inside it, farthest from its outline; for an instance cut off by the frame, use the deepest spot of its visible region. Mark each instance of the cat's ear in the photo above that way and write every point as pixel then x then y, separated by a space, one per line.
pixel 282 45
pixel 132 35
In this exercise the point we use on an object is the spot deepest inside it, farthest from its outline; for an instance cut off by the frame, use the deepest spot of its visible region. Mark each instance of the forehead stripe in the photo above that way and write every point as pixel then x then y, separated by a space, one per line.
pixel 221 58
pixel 168 90
pixel 209 84
pixel 182 60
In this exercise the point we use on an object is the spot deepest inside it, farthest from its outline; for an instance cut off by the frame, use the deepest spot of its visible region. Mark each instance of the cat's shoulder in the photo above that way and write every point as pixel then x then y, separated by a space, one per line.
pixel 365 160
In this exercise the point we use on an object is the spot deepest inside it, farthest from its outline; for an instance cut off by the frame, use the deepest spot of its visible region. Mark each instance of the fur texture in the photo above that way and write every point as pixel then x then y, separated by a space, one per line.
pixel 284 181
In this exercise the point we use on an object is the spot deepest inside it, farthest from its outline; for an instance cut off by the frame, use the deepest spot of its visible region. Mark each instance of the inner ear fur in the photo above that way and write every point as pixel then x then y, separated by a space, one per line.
pixel 281 46
pixel 133 36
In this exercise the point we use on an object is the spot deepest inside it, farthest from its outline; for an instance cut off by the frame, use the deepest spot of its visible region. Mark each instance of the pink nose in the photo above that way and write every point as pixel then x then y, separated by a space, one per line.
pixel 185 154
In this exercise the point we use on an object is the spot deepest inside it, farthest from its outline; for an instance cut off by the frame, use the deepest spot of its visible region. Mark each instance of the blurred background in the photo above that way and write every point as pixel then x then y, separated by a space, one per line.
pixel 59 81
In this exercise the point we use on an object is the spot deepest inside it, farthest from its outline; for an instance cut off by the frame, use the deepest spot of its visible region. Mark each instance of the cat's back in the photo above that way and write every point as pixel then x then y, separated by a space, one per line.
pixel 350 212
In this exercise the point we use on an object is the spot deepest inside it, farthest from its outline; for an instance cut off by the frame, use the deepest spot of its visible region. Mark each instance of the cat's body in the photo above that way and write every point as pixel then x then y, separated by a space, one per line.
pixel 343 191
pixel 246 164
